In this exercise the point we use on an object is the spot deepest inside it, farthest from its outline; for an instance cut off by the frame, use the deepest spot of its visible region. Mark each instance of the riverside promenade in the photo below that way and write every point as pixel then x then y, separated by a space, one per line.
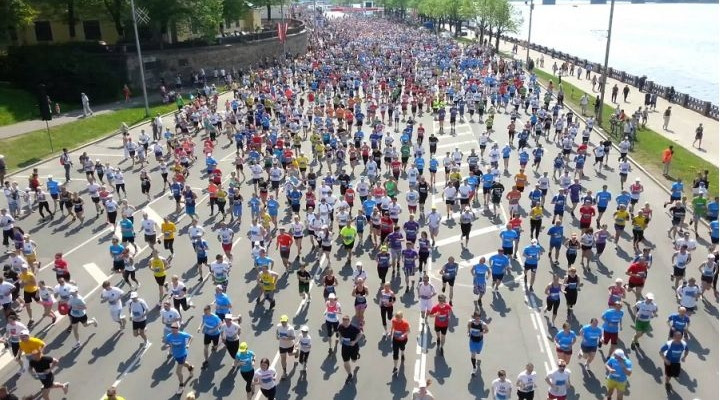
pixel 683 121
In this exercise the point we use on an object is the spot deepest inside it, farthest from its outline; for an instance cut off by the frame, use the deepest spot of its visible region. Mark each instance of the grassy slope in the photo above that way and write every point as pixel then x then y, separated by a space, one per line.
pixel 21 151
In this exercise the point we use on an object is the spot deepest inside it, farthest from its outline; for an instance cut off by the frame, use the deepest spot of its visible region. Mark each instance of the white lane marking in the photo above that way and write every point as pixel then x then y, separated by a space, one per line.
pixel 473 233
pixel 543 333
pixel 95 272
pixel 456 144
pixel 127 369
pixel 95 155
pixel 153 215
pixel 539 339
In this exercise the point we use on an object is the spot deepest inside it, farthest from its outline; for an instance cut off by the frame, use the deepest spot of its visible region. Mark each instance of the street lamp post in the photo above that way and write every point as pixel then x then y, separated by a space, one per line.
pixel 527 47
pixel 603 77
pixel 140 59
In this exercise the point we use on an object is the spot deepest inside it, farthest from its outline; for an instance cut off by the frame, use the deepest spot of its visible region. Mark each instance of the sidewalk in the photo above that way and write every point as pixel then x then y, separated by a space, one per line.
pixel 20 128
pixel 683 121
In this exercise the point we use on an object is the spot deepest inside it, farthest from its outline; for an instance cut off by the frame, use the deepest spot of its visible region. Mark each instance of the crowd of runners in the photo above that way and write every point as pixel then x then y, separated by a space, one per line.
pixel 332 141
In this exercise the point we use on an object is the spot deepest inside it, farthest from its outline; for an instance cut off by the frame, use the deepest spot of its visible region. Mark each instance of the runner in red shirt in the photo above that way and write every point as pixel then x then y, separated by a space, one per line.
pixel 637 273
pixel 283 242
pixel 350 196
pixel 60 266
pixel 587 212
pixel 396 165
pixel 442 312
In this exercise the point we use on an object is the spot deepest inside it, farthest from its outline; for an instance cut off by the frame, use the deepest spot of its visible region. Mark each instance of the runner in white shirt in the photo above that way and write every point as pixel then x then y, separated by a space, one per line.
pixel 688 295
pixel 195 232
pixel 558 381
pixel 220 271
pixel 433 221
pixel 149 228
pixel 94 191
pixel 501 387
pixel 226 236
pixel 426 292
pixel 526 382
pixel 113 296
pixel 449 194
pixel 257 234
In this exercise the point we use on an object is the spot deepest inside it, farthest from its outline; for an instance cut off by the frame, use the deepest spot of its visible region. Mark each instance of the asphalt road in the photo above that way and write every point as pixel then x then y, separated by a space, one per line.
pixel 518 328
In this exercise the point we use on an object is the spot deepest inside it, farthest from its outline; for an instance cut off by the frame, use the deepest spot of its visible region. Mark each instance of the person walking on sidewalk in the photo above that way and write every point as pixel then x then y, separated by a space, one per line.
pixel 667 156
pixel 613 97
pixel 698 136
pixel 666 118
pixel 626 92
pixel 86 105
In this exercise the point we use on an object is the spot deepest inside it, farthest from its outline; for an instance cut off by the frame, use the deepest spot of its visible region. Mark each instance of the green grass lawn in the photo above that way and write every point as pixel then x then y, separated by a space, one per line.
pixel 17 105
pixel 649 145
pixel 23 150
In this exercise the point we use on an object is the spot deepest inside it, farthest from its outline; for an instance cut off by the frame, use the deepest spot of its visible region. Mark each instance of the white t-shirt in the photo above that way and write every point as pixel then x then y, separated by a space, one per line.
pixel 138 310
pixel 645 311
pixel 231 332
pixel 149 227
pixel 226 235
pixel 169 316
pixel 178 291
pixel 502 390
pixel 560 380
pixel 688 295
pixel 6 289
pixel 285 335
pixel 63 292
pixel 113 297
pixel 527 382
pixel 266 378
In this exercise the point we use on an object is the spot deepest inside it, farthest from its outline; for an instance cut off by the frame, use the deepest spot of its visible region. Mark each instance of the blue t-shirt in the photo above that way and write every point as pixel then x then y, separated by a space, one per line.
pixel 676 190
pixel 369 206
pixel 498 263
pixel 178 343
pixel 272 207
pixel 245 360
pixel 211 323
pixel 508 236
pixel 674 351
pixel 480 271
pixel 116 250
pixel 262 261
pixel 565 339
pixel 623 198
pixel 532 254
pixel 126 228
pixel 678 322
pixel 222 303
pixel 556 234
pixel 618 374
pixel 713 208
pixel 590 335
pixel 450 270
pixel 611 320
pixel 558 203
pixel 603 198
pixel 714 229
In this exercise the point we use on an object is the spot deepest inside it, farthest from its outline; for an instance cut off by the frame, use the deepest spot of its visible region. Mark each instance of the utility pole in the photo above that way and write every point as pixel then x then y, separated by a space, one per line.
pixel 282 27
pixel 140 59
pixel 527 47
pixel 603 77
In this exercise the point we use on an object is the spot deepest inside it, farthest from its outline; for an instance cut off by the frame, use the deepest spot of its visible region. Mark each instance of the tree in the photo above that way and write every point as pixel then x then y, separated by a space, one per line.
pixel 505 18
pixel 14 15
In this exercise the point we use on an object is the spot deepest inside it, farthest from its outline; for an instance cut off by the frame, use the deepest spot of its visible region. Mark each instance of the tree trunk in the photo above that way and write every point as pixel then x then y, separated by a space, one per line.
pixel 268 12
pixel 497 39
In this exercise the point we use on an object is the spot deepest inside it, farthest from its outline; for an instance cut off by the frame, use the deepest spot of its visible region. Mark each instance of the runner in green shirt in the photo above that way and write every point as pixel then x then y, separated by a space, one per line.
pixel 699 204
pixel 391 188
pixel 348 234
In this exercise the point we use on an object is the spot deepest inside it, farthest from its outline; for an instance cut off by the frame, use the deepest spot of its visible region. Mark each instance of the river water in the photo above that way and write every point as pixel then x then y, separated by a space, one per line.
pixel 673 44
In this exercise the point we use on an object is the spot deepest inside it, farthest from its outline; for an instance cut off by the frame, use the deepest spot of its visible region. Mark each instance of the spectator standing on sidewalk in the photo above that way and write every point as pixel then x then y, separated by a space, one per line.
pixel 584 101
pixel 667 156
pixel 626 92
pixel 615 89
pixel 666 118
pixel 86 105
pixel 698 136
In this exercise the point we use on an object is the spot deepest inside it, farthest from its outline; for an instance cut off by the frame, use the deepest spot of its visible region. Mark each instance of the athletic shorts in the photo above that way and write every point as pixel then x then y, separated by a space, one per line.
pixel 672 370
pixel 139 325
pixel 610 337
pixel 441 329
pixel 350 353
pixel 214 339
pixel 642 326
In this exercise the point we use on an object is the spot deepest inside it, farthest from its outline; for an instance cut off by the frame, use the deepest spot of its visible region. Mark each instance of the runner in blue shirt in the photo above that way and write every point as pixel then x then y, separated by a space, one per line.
pixel 508 237
pixel 564 342
pixel 674 352
pixel 618 369
pixel 679 322
pixel 449 273
pixel 557 237
pixel 623 198
pixel 499 265
pixel 602 199
pixel 210 327
pixel 612 324
pixel 246 360
pixel 480 273
pixel 409 256
pixel 179 343
pixel 713 208
pixel 116 252
pixel 532 255
pixel 676 192
pixel 127 232
pixel 558 202
pixel 590 334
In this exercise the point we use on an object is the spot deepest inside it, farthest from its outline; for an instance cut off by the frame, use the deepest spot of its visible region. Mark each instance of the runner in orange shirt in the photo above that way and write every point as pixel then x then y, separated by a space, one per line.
pixel 399 333
pixel 283 242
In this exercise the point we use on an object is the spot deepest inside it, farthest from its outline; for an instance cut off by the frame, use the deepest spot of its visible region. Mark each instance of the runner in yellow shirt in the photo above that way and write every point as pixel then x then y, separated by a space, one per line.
pixel 30 290
pixel 159 267
pixel 267 280
pixel 348 233
pixel 168 230
pixel 621 216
